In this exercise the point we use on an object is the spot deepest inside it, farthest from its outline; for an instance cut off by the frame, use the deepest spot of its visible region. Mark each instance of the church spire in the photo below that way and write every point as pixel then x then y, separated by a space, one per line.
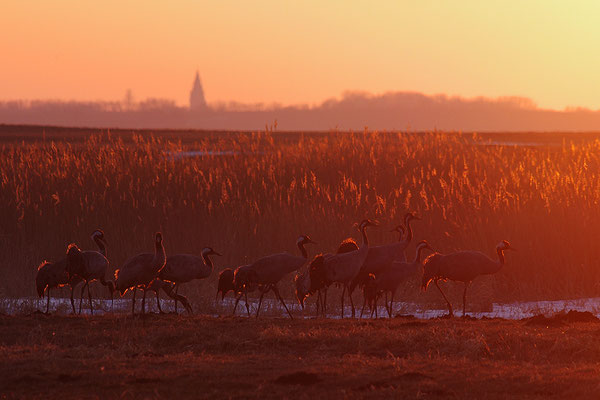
pixel 197 100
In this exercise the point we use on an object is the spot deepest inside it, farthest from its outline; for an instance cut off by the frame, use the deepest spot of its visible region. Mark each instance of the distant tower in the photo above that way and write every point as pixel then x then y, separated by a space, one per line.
pixel 197 100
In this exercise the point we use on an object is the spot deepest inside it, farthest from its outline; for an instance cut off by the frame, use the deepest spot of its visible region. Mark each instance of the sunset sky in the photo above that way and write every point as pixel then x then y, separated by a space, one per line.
pixel 302 51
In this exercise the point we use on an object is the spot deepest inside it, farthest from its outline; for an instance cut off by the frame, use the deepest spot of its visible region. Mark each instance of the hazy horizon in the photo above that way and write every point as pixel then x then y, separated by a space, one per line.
pixel 301 53
pixel 400 111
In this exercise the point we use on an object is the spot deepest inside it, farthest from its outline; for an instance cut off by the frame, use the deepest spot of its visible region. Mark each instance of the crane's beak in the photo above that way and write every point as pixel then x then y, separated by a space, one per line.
pixel 512 248
pixel 311 241
pixel 217 254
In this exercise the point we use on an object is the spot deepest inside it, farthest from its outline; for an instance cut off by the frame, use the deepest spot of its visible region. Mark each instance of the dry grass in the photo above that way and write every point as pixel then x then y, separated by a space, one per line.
pixel 275 186
pixel 202 357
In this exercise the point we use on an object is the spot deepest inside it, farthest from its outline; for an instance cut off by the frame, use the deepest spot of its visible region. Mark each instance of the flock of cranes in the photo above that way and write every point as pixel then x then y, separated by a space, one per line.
pixel 376 270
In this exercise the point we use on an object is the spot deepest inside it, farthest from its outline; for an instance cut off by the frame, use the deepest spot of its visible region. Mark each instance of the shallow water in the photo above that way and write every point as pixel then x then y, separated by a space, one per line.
pixel 272 307
pixel 199 153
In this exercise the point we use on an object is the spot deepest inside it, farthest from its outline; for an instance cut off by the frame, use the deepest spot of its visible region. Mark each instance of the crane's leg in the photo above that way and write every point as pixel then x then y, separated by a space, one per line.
pixel 351 302
pixel 374 307
pixel 81 296
pixel 363 306
pixel 72 301
pixel 246 302
pixel 465 298
pixel 325 302
pixel 318 302
pixel 48 302
pixel 451 314
pixel 392 305
pixel 144 302
pixel 237 300
pixel 175 298
pixel 343 293
pixel 90 297
pixel 186 304
pixel 276 291
pixel 260 303
pixel 133 301
pixel 158 302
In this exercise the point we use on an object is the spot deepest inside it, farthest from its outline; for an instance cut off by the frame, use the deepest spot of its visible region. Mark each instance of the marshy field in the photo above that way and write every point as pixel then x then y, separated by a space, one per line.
pixel 250 194
pixel 169 356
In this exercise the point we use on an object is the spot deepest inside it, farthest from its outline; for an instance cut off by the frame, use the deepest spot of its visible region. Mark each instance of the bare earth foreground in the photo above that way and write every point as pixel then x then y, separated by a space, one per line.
pixel 117 356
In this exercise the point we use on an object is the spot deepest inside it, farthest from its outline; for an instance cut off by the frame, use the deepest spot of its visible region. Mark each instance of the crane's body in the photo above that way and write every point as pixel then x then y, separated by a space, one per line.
pixel 343 268
pixel 140 270
pixel 53 275
pixel 461 266
pixel 90 265
pixel 399 272
pixel 380 258
pixel 182 268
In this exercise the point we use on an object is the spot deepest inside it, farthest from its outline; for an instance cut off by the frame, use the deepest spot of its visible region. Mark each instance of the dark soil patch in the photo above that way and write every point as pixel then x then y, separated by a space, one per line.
pixel 578 316
pixel 298 378
pixel 561 319
pixel 67 378
pixel 415 376
pixel 376 385
pixel 404 316
pixel 415 324
pixel 542 320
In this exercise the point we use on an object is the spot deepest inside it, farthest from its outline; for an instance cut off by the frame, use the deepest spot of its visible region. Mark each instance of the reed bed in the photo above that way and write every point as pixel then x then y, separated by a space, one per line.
pixel 252 194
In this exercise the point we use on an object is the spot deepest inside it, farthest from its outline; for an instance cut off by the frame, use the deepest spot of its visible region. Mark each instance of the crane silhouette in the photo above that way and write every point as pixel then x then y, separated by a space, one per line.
pixel 389 280
pixel 461 266
pixel 225 283
pixel 381 257
pixel 343 268
pixel 140 270
pixel 182 268
pixel 269 270
pixel 314 279
pixel 54 274
pixel 89 265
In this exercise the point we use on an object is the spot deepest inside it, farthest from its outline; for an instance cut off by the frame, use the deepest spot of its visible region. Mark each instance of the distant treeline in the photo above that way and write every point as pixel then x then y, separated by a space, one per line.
pixel 390 111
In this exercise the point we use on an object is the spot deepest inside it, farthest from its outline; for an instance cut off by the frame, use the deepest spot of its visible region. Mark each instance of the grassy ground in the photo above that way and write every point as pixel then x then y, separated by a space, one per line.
pixel 204 357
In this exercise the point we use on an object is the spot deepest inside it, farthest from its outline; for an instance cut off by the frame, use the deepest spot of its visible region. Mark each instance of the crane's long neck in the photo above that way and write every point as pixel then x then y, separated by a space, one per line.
pixel 207 261
pixel 500 257
pixel 159 253
pixel 417 259
pixel 409 232
pixel 363 231
pixel 496 266
pixel 302 249
pixel 101 246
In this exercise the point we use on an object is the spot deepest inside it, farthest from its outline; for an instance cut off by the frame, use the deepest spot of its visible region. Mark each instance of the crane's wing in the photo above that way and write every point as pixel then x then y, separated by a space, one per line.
pixel 380 257
pixel 184 268
pixel 132 272
pixel 343 267
pixel 463 265
pixel 272 268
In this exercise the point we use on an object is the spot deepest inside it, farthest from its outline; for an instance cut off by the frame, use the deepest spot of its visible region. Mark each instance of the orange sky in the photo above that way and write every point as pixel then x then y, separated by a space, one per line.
pixel 300 51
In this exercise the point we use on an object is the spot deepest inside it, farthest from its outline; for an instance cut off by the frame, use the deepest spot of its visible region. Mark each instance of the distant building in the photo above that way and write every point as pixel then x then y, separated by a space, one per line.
pixel 197 100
